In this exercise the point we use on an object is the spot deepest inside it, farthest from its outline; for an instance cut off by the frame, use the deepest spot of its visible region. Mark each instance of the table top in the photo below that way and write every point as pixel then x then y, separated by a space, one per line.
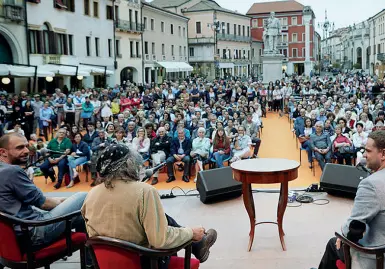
pixel 265 165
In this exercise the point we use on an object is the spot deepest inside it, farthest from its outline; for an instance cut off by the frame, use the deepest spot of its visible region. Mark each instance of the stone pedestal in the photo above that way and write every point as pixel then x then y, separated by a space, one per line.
pixel 272 67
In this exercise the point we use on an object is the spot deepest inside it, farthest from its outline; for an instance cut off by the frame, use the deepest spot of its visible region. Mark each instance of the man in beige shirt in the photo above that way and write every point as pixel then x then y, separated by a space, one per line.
pixel 130 210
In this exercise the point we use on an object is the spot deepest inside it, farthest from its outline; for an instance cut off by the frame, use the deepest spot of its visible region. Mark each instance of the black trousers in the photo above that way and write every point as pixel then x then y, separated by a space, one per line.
pixel 257 143
pixel 331 255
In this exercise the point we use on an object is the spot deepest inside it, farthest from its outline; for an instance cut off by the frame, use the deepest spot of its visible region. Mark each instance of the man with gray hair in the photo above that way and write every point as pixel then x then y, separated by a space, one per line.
pixel 180 151
pixel 321 145
pixel 159 150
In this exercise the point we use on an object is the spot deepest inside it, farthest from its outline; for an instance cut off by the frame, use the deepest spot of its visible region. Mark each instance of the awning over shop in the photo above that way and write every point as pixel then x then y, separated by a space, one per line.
pixel 170 66
pixel 185 67
pixel 65 70
pixel 23 71
pixel 176 66
pixel 226 65
pixel 94 70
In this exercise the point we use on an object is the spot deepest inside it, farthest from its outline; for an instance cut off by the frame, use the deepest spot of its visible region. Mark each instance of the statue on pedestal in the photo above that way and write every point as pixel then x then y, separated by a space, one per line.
pixel 271 34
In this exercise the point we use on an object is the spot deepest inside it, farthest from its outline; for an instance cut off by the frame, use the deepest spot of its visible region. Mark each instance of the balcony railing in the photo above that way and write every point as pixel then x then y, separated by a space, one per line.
pixel 237 38
pixel 201 40
pixel 12 12
pixel 129 26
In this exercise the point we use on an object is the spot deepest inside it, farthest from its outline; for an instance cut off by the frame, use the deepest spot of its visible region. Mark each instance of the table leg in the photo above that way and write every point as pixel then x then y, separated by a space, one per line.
pixel 283 196
pixel 248 200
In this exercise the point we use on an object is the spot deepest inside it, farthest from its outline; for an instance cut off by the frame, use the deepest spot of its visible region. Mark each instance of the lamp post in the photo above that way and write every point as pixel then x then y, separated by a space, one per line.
pixel 326 27
pixel 216 27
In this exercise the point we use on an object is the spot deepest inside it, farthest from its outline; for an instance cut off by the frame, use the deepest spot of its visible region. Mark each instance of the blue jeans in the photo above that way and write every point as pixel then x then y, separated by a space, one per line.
pixel 323 158
pixel 45 168
pixel 306 146
pixel 45 235
pixel 74 162
pixel 219 158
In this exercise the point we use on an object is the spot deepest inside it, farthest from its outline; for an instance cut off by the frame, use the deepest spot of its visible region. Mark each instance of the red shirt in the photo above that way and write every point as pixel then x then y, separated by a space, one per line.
pixel 221 145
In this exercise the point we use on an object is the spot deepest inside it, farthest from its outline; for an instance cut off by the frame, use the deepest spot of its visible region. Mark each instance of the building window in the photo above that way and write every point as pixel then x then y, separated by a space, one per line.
pixel 243 31
pixel 109 47
pixel 293 20
pixel 153 48
pixel 86 7
pixel 303 37
pixel 239 30
pixel 162 27
pixel 137 50
pixel 61 44
pixel 303 52
pixel 223 28
pixel 96 9
pixel 132 49
pixel 184 32
pixel 260 52
pixel 33 41
pixel 163 50
pixel 184 50
pixel 179 31
pixel 228 28
pixel 294 53
pixel 116 13
pixel 88 41
pixel 284 21
pixel 97 46
pixel 109 13
pixel 198 27
pixel 191 52
pixel 379 48
pixel 172 29
pixel 172 50
pixel 180 50
pixel 254 23
pixel 284 38
pixel 248 31
pixel 294 37
pixel 152 24
pixel 145 23
pixel 117 45
pixel 235 29
pixel 70 4
pixel 71 44
pixel 145 47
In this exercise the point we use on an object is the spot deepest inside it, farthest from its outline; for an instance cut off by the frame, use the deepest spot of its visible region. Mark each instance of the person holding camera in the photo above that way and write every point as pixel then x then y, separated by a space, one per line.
pixel 98 145
pixel 159 150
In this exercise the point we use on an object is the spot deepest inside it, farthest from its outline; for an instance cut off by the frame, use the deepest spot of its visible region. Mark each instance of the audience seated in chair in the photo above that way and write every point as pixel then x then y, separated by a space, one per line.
pixel 241 145
pixel 342 147
pixel 304 139
pixel 221 147
pixel 141 142
pixel 321 145
pixel 145 222
pixel 200 150
pixel 80 154
pixel 159 150
pixel 180 152
pixel 59 144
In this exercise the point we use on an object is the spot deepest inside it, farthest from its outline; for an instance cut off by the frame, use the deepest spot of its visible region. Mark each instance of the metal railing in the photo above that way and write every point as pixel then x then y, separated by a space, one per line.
pixel 12 12
pixel 227 37
pixel 129 26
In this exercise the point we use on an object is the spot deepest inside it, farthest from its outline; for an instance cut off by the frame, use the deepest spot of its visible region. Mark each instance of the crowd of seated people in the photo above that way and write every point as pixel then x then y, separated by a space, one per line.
pixel 199 122
pixel 333 122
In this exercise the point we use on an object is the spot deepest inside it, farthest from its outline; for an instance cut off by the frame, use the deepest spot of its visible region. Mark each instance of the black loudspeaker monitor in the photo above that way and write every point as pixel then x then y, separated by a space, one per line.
pixel 341 178
pixel 217 184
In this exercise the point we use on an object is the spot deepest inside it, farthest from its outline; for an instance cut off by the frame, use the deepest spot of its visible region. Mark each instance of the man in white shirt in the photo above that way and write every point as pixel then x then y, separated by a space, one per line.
pixel 359 141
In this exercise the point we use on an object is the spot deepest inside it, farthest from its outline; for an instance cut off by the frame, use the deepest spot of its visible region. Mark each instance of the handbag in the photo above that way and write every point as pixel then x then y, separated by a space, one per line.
pixel 86 115
pixel 346 149
pixel 302 139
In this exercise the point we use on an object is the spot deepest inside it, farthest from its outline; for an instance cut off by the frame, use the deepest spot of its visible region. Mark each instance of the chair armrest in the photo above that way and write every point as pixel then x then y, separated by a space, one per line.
pixel 369 250
pixel 103 240
pixel 37 223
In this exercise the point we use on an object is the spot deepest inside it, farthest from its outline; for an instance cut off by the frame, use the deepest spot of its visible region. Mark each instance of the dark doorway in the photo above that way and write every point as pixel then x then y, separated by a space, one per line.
pixel 127 74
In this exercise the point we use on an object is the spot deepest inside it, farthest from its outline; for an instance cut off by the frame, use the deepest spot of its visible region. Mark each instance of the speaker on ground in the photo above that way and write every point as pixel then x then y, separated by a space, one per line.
pixel 217 184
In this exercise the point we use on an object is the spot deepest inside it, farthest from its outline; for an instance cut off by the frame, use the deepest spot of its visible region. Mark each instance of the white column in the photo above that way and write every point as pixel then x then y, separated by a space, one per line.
pixel 308 65
pixel 149 75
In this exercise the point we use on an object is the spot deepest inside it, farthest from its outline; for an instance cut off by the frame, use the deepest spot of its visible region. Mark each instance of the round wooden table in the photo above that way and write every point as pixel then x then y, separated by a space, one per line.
pixel 265 171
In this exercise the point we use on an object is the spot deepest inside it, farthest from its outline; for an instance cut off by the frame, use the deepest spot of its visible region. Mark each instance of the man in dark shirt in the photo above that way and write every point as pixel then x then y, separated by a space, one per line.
pixel 18 195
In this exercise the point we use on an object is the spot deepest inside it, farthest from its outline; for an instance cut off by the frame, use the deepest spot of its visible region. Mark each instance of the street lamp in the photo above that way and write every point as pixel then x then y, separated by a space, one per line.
pixel 49 79
pixel 326 27
pixel 6 81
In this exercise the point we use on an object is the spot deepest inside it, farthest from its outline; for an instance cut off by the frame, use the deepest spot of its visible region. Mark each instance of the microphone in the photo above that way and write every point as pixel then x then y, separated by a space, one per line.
pixel 362 166
pixel 54 152
pixel 149 172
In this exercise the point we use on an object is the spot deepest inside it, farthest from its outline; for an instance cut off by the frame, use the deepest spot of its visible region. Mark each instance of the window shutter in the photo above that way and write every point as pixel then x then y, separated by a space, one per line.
pixel 65 45
pixel 40 42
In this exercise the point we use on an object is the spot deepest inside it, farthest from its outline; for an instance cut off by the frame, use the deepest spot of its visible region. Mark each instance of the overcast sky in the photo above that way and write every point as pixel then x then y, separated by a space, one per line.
pixel 341 12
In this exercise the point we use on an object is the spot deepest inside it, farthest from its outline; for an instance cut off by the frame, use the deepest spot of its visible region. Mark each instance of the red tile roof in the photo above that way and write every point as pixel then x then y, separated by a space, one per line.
pixel 276 6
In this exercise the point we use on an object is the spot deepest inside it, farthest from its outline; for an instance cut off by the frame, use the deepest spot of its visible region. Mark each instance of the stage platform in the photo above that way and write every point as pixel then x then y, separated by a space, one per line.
pixel 308 229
